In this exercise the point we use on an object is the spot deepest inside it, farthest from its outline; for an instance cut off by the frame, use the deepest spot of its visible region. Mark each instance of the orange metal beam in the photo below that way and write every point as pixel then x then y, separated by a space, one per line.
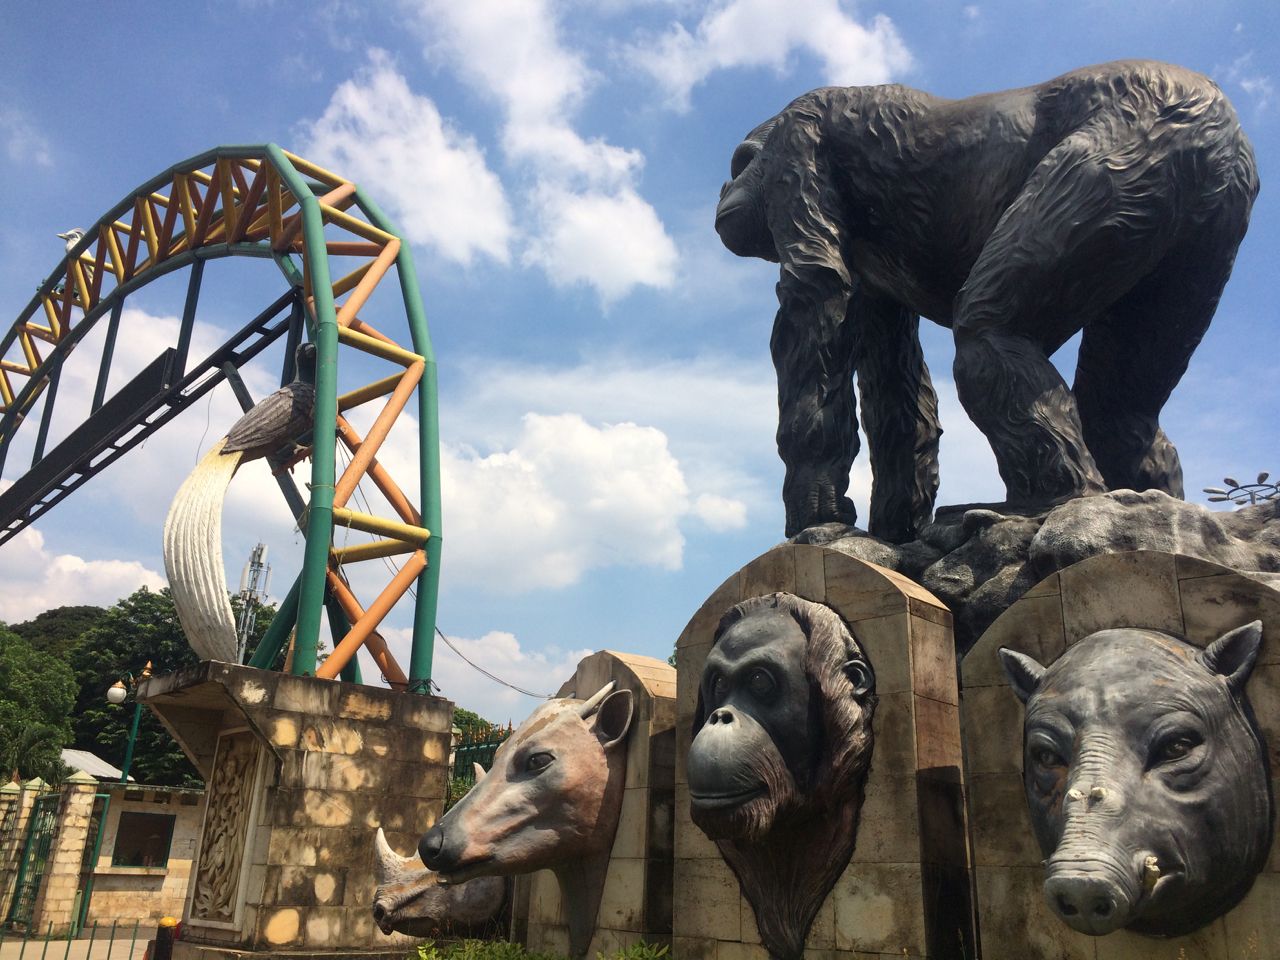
pixel 363 622
pixel 361 458
pixel 376 472
pixel 374 273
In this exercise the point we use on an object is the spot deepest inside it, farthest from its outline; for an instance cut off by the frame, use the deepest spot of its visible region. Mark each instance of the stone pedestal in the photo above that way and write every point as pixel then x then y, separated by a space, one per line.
pixel 636 902
pixel 300 774
pixel 906 890
pixel 1178 595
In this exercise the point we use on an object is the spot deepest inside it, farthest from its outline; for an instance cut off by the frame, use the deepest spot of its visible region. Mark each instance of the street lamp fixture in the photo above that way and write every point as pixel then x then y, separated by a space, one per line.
pixel 117 694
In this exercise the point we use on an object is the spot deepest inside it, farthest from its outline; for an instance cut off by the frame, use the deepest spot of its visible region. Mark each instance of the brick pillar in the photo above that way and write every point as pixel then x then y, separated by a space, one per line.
pixel 24 795
pixel 56 899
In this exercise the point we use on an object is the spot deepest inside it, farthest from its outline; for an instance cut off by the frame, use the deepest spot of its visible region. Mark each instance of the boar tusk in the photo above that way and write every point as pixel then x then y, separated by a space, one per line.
pixel 389 865
pixel 1150 872
pixel 589 706
pixel 479 771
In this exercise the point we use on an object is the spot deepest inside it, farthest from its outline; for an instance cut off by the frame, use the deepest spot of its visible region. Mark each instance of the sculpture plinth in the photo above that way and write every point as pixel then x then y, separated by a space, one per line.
pixel 905 886
pixel 1155 594
pixel 301 772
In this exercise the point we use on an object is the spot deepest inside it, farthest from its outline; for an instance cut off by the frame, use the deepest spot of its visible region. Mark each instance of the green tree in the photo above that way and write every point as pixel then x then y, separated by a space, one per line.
pixel 142 627
pixel 55 631
pixel 37 692
pixel 471 723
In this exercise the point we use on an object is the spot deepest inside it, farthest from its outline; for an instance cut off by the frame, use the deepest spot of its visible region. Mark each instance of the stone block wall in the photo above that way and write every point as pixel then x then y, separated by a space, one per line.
pixel 127 894
pixel 636 902
pixel 301 772
pixel 906 890
pixel 1189 598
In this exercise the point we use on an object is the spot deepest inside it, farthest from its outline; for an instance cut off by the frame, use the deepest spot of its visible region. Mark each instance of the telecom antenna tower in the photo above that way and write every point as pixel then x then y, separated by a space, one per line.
pixel 255 582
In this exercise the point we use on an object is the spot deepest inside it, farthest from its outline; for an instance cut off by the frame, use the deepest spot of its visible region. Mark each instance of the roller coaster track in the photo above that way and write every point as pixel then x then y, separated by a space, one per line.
pixel 251 201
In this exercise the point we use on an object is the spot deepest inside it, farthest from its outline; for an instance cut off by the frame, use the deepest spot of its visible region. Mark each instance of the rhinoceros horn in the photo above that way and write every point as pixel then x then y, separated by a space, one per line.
pixel 389 865
pixel 479 771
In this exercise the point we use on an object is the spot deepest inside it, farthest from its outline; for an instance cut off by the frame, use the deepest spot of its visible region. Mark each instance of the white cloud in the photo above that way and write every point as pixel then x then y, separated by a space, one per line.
pixel 721 513
pixel 36 579
pixel 23 143
pixel 568 497
pixel 591 224
pixel 764 33
pixel 1246 74
pixel 439 190
pixel 612 241
pixel 499 652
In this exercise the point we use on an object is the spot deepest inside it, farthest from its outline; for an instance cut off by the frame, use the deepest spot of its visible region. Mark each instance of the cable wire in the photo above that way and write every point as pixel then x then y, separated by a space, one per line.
pixel 495 679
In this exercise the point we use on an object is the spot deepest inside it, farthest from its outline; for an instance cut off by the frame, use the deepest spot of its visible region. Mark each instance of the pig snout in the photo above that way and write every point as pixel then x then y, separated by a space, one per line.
pixel 1091 897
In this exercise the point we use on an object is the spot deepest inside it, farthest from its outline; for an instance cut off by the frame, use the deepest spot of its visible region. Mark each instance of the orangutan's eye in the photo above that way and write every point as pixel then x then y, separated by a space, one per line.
pixel 761 684
pixel 538 761
pixel 719 687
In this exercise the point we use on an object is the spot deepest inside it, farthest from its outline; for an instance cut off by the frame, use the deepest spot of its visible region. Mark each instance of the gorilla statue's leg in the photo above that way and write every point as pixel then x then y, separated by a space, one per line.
pixel 899 415
pixel 1082 230
pixel 812 347
pixel 1131 359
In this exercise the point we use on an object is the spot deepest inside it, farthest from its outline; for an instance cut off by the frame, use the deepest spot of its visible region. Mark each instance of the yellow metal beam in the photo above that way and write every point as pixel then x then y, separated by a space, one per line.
pixel 370 391
pixel 371 551
pixel 342 517
pixel 387 351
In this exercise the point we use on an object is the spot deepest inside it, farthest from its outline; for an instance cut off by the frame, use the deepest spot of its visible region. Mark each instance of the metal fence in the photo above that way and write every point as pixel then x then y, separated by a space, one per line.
pixel 477 746
pixel 95 942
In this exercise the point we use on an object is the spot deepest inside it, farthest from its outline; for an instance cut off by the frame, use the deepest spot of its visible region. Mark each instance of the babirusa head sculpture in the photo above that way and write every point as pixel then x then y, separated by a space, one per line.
pixel 1146 777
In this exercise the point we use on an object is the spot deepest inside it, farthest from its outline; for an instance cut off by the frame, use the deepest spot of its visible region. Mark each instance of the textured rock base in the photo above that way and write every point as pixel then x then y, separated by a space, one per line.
pixel 980 559
pixel 300 774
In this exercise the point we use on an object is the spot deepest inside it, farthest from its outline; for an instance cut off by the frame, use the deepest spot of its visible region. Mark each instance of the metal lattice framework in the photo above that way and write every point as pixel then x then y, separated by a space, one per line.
pixel 257 201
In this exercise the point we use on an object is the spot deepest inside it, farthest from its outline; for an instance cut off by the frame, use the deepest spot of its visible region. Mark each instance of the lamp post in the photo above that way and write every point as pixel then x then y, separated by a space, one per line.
pixel 117 694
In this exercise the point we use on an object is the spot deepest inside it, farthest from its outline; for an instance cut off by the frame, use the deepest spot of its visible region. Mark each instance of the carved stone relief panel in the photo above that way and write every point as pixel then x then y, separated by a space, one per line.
pixel 226 829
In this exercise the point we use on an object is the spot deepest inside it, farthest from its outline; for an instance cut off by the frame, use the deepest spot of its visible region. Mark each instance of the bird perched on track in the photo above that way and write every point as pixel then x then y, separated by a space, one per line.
pixel 193 529
pixel 72 237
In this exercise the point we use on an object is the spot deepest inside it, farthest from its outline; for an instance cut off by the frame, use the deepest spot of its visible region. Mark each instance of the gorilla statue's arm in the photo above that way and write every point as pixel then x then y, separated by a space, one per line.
pixel 784 204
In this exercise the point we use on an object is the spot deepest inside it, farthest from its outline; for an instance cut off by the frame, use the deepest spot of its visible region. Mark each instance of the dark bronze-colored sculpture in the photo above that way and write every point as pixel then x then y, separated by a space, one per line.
pixel 780 755
pixel 1110 200
pixel 1146 777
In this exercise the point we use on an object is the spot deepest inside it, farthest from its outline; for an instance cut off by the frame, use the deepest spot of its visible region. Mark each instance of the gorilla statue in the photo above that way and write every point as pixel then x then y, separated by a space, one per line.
pixel 1110 200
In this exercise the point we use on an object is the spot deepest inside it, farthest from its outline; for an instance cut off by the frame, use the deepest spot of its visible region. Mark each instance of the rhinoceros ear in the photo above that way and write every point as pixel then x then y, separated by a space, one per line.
pixel 1234 653
pixel 612 720
pixel 1023 672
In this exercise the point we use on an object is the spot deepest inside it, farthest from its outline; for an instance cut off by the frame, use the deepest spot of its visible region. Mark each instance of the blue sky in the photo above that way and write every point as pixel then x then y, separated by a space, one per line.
pixel 607 402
